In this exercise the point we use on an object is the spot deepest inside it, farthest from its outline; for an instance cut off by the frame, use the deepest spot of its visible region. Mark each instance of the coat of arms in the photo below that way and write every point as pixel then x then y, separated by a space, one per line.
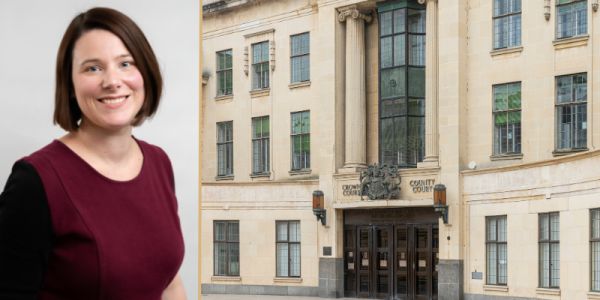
pixel 380 182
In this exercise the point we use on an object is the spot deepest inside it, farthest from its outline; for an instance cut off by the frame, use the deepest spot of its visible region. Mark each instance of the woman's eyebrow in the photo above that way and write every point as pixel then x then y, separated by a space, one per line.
pixel 96 60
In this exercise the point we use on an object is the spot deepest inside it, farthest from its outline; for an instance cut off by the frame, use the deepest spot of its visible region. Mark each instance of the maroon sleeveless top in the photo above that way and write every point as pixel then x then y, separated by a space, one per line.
pixel 112 239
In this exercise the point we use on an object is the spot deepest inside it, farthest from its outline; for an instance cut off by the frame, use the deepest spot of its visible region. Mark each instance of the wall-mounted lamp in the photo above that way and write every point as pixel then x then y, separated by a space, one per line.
pixel 318 206
pixel 439 201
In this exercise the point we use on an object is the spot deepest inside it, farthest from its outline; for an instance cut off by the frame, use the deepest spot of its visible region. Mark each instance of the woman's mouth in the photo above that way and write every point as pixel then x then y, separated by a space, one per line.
pixel 113 100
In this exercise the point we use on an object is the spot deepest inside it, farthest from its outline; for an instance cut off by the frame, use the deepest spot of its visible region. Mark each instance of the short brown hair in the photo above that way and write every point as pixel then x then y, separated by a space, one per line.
pixel 66 110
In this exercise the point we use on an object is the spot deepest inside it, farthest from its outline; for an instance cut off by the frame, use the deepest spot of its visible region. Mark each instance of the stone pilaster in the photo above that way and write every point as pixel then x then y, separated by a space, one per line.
pixel 355 88
pixel 431 85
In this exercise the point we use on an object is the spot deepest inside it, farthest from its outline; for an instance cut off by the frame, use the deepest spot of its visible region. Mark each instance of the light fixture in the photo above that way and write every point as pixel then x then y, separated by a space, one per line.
pixel 439 201
pixel 318 206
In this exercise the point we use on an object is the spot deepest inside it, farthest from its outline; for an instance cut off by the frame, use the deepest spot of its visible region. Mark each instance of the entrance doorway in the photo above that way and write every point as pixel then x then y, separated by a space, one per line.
pixel 391 261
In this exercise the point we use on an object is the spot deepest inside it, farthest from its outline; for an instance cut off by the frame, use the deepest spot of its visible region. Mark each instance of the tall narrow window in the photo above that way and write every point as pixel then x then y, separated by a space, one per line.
pixel 225 148
pixel 507 23
pixel 288 248
pixel 595 248
pixel 571 18
pixel 300 57
pixel 507 118
pixel 571 112
pixel 260 145
pixel 549 248
pixel 402 83
pixel 496 254
pixel 226 248
pixel 224 73
pixel 301 140
pixel 260 65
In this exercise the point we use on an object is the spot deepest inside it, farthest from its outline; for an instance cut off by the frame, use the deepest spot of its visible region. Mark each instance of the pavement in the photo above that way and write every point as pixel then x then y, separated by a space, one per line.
pixel 260 297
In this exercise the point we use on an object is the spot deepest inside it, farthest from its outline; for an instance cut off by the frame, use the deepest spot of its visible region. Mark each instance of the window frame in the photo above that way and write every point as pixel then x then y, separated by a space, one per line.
pixel 224 72
pixel 227 144
pixel 296 56
pixel 261 83
pixel 266 157
pixel 488 241
pixel 507 111
pixel 508 16
pixel 227 242
pixel 408 127
pixel 549 241
pixel 288 242
pixel 594 240
pixel 573 103
pixel 570 3
pixel 302 135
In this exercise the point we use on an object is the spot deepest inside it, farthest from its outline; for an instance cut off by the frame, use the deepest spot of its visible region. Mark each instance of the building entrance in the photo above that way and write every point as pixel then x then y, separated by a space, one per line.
pixel 390 259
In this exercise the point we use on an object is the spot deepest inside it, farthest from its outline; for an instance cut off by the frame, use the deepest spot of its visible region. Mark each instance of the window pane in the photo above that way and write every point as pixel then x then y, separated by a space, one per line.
pixel 399 20
pixel 386 52
pixel 514 95
pixel 220 233
pixel 595 266
pixel 580 87
pixel 545 265
pixel 500 97
pixel 282 231
pixel 554 226
pixel 555 264
pixel 502 229
pixel 294 231
pixel 491 264
pixel 502 264
pixel 393 107
pixel 544 227
pixel 393 83
pixel 416 50
pixel 282 259
pixel 416 21
pixel 491 229
pixel 220 256
pixel 393 130
pixel 385 23
pixel 416 82
pixel 399 50
pixel 295 260
pixel 595 223
pixel 234 259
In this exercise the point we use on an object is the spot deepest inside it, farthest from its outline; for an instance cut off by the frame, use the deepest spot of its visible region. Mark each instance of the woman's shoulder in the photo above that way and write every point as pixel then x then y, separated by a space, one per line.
pixel 154 151
pixel 48 153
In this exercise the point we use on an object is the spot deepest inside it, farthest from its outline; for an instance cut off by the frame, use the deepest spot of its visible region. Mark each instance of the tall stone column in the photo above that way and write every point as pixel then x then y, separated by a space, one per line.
pixel 431 84
pixel 355 88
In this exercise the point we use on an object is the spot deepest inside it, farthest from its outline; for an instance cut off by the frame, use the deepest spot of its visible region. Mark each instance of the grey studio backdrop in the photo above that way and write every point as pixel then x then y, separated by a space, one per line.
pixel 30 32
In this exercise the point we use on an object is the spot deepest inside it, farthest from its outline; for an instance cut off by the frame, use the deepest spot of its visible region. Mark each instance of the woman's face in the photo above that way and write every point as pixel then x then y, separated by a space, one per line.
pixel 108 86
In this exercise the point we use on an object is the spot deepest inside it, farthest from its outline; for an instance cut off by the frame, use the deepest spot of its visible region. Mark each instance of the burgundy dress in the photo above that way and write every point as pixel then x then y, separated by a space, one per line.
pixel 112 239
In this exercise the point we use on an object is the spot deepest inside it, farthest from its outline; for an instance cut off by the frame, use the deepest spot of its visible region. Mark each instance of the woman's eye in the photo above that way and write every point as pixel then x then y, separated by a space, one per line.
pixel 92 69
pixel 126 64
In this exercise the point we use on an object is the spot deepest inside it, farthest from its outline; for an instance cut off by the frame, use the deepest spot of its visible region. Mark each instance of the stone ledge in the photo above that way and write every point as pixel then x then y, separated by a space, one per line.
pixel 506 156
pixel 224 177
pixel 226 278
pixel 571 42
pixel 260 93
pixel 287 280
pixel 223 98
pixel 593 295
pixel 495 288
pixel 568 152
pixel 504 51
pixel 300 172
pixel 548 291
pixel 243 289
pixel 296 85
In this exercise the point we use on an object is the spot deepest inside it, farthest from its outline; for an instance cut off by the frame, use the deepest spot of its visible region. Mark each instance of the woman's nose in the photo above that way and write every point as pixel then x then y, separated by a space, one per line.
pixel 111 79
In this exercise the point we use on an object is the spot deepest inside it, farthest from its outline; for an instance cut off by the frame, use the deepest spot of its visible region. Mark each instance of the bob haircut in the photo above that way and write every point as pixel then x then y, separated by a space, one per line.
pixel 66 111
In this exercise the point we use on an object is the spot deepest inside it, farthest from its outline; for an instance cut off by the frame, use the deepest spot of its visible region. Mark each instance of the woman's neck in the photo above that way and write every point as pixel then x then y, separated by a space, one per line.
pixel 109 146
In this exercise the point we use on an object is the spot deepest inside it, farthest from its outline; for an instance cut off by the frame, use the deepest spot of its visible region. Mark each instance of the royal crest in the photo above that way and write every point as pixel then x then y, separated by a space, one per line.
pixel 380 182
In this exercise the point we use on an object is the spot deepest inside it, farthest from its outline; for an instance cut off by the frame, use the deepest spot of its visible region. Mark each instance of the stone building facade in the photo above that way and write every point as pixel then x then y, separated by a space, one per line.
pixel 496 100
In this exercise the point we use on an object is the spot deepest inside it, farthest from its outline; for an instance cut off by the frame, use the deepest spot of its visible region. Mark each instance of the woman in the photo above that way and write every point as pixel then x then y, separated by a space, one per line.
pixel 93 215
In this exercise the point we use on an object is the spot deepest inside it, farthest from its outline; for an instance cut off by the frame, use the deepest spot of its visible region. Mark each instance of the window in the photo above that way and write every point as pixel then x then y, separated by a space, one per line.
pixel 260 65
pixel 507 23
pixel 226 248
pixel 402 83
pixel 571 18
pixel 507 118
pixel 225 148
pixel 288 248
pixel 300 57
pixel 260 145
pixel 224 73
pixel 497 263
pixel 549 248
pixel 571 112
pixel 595 248
pixel 301 140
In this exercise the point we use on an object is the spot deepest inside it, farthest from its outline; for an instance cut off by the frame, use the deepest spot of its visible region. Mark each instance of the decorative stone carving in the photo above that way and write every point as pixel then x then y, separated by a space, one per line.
pixel 425 1
pixel 354 13
pixel 246 60
pixel 380 182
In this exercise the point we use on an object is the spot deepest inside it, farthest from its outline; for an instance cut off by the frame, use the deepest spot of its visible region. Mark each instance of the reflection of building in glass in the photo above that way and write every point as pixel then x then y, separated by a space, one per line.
pixel 492 99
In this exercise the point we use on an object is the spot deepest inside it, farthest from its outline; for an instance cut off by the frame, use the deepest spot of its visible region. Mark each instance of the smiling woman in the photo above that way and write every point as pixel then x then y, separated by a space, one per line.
pixel 93 215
